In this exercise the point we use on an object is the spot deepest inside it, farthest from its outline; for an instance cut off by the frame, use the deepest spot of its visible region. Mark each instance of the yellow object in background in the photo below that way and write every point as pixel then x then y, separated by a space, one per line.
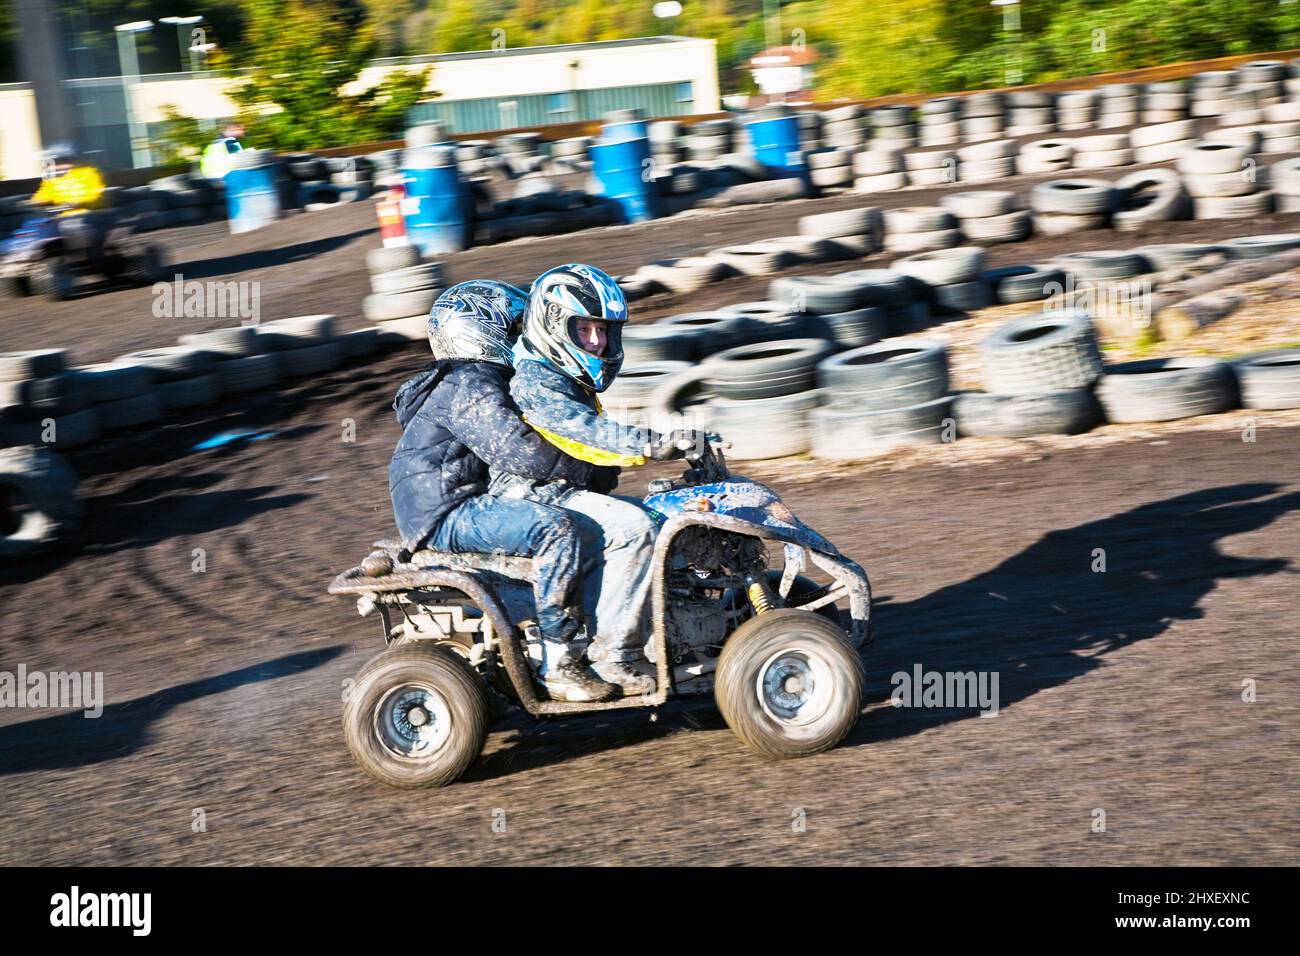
pixel 81 187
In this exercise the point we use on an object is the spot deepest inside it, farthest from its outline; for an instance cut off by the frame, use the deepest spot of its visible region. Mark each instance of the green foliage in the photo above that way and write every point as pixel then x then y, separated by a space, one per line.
pixel 298 72
pixel 180 139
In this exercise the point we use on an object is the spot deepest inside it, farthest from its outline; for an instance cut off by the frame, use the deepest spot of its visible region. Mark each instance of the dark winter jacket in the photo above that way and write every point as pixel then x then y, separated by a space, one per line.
pixel 553 402
pixel 457 418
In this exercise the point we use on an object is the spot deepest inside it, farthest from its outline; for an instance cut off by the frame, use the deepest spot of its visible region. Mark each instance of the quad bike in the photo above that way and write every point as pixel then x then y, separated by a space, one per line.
pixel 39 259
pixel 780 657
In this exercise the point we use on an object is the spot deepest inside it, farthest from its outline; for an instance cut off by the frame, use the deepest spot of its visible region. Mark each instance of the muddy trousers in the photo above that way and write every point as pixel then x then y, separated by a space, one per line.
pixel 618 540
pixel 517 526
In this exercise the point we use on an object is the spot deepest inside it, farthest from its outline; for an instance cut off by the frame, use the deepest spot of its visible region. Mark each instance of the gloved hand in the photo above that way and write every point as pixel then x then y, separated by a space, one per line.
pixel 674 445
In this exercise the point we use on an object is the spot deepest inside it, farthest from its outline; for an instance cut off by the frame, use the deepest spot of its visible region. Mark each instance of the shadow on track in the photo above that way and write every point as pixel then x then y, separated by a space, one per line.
pixel 231 266
pixel 69 740
pixel 1044 617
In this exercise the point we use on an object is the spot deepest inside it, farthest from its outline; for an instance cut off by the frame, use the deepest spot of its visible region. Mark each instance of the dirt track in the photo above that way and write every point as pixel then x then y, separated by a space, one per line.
pixel 1119 691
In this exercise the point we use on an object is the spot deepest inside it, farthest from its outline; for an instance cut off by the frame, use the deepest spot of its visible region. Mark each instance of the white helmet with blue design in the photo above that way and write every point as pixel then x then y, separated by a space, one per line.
pixel 558 299
pixel 477 320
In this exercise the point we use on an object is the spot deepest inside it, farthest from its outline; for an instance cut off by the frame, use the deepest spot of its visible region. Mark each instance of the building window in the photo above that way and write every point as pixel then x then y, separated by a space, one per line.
pixel 683 92
pixel 559 103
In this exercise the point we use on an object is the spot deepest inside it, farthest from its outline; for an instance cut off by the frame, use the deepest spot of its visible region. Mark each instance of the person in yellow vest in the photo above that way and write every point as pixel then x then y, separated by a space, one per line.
pixel 69 182
pixel 219 156
pixel 77 190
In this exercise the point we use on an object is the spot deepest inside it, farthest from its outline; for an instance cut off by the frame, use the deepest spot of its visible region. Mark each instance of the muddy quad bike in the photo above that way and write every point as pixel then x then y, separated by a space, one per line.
pixel 42 257
pixel 779 655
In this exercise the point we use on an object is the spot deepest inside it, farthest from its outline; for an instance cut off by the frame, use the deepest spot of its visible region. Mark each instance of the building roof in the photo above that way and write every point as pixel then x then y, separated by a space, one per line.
pixel 778 56
pixel 536 50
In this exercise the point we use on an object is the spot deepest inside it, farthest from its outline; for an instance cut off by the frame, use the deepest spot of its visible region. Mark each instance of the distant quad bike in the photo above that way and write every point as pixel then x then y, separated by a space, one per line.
pixel 39 260
pixel 771 646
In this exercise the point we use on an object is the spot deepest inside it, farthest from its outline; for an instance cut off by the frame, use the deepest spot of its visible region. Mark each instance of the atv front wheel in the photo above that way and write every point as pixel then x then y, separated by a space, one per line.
pixel 53 279
pixel 789 684
pixel 415 717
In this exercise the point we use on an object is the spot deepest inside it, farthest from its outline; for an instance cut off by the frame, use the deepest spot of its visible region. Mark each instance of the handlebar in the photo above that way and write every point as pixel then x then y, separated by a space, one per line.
pixel 708 463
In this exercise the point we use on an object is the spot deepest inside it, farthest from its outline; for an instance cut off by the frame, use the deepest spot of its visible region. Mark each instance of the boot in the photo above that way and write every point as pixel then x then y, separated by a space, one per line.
pixel 632 677
pixel 566 677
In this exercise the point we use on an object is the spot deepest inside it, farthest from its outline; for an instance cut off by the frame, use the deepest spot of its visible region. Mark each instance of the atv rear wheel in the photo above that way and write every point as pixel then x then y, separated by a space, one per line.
pixel 415 717
pixel 53 279
pixel 789 684
pixel 17 287
pixel 145 265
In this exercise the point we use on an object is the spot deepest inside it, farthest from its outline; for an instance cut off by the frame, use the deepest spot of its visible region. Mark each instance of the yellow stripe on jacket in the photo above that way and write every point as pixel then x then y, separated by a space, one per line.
pixel 588 453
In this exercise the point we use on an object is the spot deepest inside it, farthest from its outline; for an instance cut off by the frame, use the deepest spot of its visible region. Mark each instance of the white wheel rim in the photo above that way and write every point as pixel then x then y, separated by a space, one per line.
pixel 795 686
pixel 412 721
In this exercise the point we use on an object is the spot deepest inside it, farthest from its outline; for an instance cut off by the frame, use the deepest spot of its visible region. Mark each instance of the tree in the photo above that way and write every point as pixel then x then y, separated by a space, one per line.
pixel 297 78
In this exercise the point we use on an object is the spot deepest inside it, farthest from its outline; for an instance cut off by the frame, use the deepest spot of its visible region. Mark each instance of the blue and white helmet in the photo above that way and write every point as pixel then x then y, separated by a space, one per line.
pixel 560 297
pixel 477 320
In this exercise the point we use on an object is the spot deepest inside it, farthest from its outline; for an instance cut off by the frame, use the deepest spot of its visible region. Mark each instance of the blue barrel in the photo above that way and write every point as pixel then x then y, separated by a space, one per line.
pixel 776 143
pixel 622 166
pixel 436 201
pixel 252 192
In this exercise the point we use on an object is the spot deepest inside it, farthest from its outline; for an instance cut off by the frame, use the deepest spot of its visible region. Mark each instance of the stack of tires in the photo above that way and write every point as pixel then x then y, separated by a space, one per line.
pixel 880 396
pixel 1224 181
pixel 174 201
pixel 1045 156
pixel 1102 152
pixel 238 365
pixel 1281 132
pixel 403 290
pixel 125 393
pixel 762 396
pixel 987 162
pixel 521 152
pixel 930 168
pixel 844 128
pixel 1163 142
pixel 873 170
pixel 42 403
pixel 38 501
pixel 1117 105
pixel 1038 374
pixel 304 345
pixel 855 232
pixel 1071 205
pixel 709 139
pixel 981 117
pixel 1264 79
pixel 1076 109
pixel 831 166
pixel 847 311
pixel 989 217
pixel 352 176
pixel 474 156
pixel 1030 112
pixel 1024 283
pixel 920 229
pixel 894 126
pixel 570 155
pixel 183 376
pixel 1164 102
pixel 950 280
pixel 940 122
pixel 810 128
pixel 1213 94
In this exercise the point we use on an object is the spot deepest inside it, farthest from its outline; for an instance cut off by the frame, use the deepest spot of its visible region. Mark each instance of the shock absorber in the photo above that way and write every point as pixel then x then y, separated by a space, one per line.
pixel 760 595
